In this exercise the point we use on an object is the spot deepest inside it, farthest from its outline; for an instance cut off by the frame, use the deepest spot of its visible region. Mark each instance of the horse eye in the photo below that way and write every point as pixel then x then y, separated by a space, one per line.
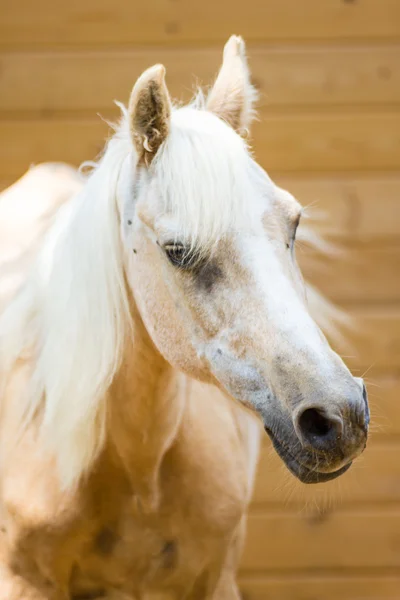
pixel 293 238
pixel 296 225
pixel 178 255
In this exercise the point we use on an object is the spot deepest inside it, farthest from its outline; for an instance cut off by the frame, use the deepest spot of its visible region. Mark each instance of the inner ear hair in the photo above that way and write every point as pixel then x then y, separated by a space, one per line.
pixel 149 113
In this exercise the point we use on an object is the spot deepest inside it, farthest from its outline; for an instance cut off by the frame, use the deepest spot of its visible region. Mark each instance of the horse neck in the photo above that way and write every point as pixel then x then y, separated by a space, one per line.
pixel 146 408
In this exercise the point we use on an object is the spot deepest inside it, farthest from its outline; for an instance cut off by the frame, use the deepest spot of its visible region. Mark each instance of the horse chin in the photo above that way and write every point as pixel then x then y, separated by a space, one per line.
pixel 304 473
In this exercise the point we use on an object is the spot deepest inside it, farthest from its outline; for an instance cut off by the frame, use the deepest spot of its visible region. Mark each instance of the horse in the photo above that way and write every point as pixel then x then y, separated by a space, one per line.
pixel 153 316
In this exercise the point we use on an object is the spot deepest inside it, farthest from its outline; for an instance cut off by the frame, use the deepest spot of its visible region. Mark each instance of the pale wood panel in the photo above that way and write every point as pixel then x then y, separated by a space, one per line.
pixel 328 142
pixel 290 143
pixel 340 539
pixel 286 77
pixel 374 342
pixel 384 400
pixel 358 208
pixel 26 142
pixel 374 477
pixel 354 273
pixel 119 22
pixel 361 587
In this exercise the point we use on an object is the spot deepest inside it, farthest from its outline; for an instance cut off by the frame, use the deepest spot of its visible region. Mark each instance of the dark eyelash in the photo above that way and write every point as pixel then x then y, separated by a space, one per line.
pixel 180 256
pixel 296 225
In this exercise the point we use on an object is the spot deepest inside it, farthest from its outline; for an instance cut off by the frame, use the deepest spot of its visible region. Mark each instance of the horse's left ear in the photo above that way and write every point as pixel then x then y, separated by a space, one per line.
pixel 232 97
pixel 149 113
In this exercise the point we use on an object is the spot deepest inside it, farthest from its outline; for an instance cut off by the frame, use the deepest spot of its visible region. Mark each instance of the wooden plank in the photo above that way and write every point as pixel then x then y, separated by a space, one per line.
pixel 374 342
pixel 374 477
pixel 356 587
pixel 357 208
pixel 328 142
pixel 354 273
pixel 384 400
pixel 345 539
pixel 286 77
pixel 290 143
pixel 29 142
pixel 55 23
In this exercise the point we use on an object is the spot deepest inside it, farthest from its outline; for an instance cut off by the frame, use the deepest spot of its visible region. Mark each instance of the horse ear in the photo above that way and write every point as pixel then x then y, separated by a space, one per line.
pixel 149 113
pixel 232 97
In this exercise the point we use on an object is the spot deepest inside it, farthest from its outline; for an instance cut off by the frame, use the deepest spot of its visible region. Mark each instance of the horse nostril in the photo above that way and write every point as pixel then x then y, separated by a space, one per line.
pixel 313 423
pixel 318 430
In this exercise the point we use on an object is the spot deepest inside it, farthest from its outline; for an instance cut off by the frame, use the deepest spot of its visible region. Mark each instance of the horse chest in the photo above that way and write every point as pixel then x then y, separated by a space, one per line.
pixel 187 536
pixel 154 552
pixel 98 542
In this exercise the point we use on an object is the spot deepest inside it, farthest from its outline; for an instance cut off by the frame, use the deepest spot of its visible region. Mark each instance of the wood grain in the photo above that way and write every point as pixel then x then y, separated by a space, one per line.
pixel 328 142
pixel 353 207
pixel 356 587
pixel 374 341
pixel 336 539
pixel 315 77
pixel 29 142
pixel 106 22
pixel 354 273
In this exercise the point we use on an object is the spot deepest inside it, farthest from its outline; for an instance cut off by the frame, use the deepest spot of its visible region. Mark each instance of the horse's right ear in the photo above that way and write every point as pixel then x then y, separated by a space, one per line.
pixel 149 113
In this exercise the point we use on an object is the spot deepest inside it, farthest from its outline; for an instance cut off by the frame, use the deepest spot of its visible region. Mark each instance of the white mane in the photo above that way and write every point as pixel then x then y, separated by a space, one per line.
pixel 73 313
pixel 203 171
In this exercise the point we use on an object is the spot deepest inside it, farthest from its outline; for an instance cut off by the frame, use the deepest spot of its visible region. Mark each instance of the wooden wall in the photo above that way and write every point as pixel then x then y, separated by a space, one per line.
pixel 329 76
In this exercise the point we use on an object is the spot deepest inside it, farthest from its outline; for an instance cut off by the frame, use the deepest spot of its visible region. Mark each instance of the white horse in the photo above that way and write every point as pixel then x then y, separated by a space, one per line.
pixel 162 298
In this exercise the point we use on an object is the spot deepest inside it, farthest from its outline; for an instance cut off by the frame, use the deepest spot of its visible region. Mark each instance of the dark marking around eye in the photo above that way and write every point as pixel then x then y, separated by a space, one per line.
pixel 207 275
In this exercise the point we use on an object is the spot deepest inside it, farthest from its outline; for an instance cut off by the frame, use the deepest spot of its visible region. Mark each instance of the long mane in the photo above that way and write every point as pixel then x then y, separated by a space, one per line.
pixel 72 316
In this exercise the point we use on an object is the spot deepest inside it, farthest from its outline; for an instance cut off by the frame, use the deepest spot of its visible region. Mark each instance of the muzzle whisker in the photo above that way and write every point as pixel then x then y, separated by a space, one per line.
pixel 367 370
